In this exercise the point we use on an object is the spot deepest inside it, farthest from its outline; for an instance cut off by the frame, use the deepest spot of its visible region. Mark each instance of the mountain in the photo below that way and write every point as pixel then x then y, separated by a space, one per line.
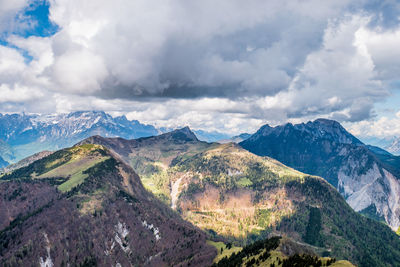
pixel 22 135
pixel 324 148
pixel 3 163
pixel 6 151
pixel 378 151
pixel 83 206
pixel 153 155
pixel 235 139
pixel 243 197
pixel 394 147
pixel 25 162
pixel 206 136
pixel 240 197
pixel 210 136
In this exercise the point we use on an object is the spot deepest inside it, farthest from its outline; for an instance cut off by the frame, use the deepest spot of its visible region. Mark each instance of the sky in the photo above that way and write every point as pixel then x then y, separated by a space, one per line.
pixel 228 66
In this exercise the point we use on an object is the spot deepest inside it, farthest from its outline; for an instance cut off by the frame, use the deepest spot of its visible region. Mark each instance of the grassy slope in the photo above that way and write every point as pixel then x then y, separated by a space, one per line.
pixel 225 252
pixel 67 165
pixel 271 252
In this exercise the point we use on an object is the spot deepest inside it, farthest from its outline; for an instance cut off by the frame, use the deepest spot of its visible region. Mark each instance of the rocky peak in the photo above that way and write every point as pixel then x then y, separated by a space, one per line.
pixel 318 129
pixel 330 129
pixel 183 134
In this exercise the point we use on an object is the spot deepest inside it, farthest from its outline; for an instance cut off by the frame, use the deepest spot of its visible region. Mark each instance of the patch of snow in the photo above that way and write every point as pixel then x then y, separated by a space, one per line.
pixel 48 261
pixel 234 173
pixel 152 257
pixel 120 233
pixel 155 230
pixel 109 251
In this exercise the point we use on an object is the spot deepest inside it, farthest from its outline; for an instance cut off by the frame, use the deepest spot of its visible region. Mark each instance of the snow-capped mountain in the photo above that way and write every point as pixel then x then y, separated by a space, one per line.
pixel 368 181
pixel 22 135
pixel 394 147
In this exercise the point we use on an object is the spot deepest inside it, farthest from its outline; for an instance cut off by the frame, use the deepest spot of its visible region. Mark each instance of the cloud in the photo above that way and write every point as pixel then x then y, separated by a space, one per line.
pixel 11 19
pixel 217 65
pixel 383 127
pixel 180 49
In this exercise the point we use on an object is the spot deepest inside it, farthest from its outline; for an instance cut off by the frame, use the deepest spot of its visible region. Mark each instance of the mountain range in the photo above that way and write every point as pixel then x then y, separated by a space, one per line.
pixel 22 135
pixel 284 195
pixel 231 193
pixel 368 179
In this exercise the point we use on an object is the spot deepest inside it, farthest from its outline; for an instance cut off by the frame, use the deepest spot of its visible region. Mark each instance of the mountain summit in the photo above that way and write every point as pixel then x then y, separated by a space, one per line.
pixel 324 148
pixel 319 129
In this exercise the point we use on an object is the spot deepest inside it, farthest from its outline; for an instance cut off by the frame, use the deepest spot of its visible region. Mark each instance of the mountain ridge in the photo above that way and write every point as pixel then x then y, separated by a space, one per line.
pixel 22 135
pixel 326 149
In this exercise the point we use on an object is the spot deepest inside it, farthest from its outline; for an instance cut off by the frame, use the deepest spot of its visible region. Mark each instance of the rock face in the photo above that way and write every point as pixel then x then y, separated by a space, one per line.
pixel 81 206
pixel 24 135
pixel 367 180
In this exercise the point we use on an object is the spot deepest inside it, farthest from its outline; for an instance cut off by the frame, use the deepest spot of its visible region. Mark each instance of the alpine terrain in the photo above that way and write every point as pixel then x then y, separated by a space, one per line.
pixel 368 179
pixel 237 196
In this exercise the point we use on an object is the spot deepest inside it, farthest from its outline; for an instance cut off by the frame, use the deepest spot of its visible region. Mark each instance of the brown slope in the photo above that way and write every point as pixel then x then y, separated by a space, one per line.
pixel 105 219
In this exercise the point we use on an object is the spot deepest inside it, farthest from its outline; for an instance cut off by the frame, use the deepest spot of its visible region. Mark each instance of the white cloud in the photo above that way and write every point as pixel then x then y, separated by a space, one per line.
pixel 80 71
pixel 12 63
pixel 383 127
pixel 19 94
pixel 224 65
pixel 10 17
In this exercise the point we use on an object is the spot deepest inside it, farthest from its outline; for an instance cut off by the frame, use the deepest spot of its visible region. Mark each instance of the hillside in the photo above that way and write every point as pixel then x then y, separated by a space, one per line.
pixel 240 197
pixel 277 252
pixel 151 157
pixel 25 162
pixel 84 206
pixel 368 180
pixel 231 192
